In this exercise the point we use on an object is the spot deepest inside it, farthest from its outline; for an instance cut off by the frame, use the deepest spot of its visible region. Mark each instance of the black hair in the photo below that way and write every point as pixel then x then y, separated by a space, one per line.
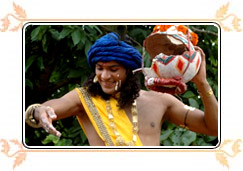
pixel 129 90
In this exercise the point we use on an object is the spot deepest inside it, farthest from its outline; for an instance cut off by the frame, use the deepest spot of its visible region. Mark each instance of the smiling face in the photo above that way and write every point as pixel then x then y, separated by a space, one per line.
pixel 109 74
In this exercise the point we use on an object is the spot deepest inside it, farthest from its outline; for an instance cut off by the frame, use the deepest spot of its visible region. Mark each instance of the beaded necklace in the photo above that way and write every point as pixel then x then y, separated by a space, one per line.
pixel 119 139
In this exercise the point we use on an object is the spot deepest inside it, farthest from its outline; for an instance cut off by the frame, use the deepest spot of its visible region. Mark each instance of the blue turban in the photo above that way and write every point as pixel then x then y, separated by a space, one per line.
pixel 111 48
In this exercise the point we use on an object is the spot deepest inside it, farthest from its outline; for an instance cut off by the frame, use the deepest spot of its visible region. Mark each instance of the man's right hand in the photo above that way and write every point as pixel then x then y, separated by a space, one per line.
pixel 45 115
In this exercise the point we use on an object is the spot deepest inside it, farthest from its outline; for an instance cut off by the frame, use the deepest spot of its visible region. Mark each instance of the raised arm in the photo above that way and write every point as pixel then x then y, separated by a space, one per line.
pixel 204 122
pixel 55 109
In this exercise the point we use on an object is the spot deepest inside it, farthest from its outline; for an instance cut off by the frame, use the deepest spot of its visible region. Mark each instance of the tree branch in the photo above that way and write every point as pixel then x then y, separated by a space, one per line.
pixel 203 31
pixel 107 29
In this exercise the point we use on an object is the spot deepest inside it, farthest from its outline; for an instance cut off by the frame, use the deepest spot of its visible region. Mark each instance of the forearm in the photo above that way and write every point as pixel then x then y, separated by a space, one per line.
pixel 42 115
pixel 60 107
pixel 210 106
pixel 66 106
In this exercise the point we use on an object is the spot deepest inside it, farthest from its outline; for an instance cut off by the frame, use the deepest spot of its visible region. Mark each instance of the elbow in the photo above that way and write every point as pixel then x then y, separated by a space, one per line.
pixel 212 130
pixel 214 133
pixel 211 127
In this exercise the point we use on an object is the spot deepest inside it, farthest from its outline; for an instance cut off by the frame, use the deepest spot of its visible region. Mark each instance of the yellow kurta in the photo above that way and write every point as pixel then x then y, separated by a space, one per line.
pixel 121 120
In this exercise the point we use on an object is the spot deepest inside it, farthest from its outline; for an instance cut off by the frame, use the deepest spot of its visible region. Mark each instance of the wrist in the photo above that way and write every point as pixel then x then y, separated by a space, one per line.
pixel 204 89
pixel 29 116
pixel 207 93
pixel 202 85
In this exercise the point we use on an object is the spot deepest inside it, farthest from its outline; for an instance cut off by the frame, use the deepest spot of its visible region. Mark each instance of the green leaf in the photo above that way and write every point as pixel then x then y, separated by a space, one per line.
pixel 38 32
pixel 26 140
pixel 167 142
pixel 80 45
pixel 55 76
pixel 34 33
pixel 188 137
pixel 87 47
pixel 37 133
pixel 50 138
pixel 176 137
pixel 83 136
pixel 74 134
pixel 170 125
pixel 215 89
pixel 44 43
pixel 64 33
pixel 188 94
pixel 29 62
pixel 77 35
pixel 54 34
pixel 28 83
pixel 137 32
pixel 209 138
pixel 147 61
pixel 40 63
pixel 98 29
pixel 213 60
pixel 74 74
pixel 91 29
pixel 42 32
pixel 83 79
pixel 193 103
pixel 74 131
pixel 212 28
pixel 201 142
pixel 165 134
pixel 64 142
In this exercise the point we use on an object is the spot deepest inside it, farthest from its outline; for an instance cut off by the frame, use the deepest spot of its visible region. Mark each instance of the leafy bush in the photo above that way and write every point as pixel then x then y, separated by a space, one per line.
pixel 55 63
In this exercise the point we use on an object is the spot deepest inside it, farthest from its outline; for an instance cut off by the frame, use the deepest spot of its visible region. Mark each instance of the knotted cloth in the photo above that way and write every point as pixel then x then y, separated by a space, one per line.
pixel 111 48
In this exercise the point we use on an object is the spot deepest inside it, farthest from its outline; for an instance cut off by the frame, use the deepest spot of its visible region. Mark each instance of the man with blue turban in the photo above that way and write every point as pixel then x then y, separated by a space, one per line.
pixel 111 48
pixel 113 110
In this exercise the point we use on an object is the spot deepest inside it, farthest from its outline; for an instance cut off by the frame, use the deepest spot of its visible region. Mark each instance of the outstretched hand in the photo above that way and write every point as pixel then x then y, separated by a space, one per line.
pixel 45 115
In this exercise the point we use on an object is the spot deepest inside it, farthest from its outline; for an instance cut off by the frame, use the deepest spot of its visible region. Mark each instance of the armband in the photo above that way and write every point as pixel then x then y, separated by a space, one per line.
pixel 29 116
pixel 207 94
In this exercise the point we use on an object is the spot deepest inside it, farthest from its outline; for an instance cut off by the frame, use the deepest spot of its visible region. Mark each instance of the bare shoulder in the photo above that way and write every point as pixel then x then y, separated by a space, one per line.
pixel 72 96
pixel 152 107
pixel 72 99
pixel 152 96
pixel 162 104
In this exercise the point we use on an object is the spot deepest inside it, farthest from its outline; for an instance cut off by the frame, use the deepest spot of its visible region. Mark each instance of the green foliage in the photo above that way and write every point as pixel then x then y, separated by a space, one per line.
pixel 173 135
pixel 71 135
pixel 55 63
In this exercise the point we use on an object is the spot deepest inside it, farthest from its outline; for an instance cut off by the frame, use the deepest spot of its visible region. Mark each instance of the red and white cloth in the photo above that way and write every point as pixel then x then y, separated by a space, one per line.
pixel 174 59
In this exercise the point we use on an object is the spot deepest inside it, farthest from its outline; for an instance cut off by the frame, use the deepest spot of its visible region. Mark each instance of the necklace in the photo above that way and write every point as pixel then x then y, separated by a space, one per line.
pixel 119 139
